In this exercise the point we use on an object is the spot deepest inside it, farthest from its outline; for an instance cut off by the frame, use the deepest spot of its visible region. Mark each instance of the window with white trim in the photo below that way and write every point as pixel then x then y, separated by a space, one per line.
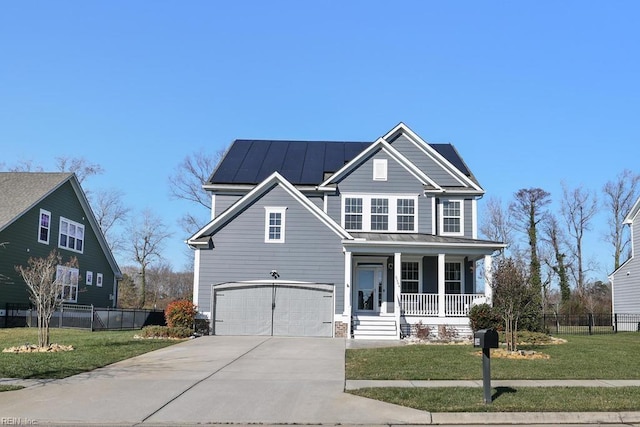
pixel 379 169
pixel 353 213
pixel 410 283
pixel 391 213
pixel 453 277
pixel 67 278
pixel 71 235
pixel 274 226
pixel 451 214
pixel 380 214
pixel 44 226
pixel 89 280
pixel 99 280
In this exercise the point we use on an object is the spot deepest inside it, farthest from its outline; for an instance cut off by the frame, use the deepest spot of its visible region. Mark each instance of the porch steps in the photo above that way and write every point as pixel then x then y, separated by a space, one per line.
pixel 374 328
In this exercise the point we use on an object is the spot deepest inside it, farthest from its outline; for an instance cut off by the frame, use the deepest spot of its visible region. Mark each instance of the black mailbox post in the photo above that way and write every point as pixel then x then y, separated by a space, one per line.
pixel 486 339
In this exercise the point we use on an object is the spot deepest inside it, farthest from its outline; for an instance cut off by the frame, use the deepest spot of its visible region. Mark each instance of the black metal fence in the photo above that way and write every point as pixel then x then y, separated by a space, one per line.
pixel 590 324
pixel 96 319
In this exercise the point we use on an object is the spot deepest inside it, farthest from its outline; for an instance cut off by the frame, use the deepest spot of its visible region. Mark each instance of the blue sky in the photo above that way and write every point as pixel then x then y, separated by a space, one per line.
pixel 530 93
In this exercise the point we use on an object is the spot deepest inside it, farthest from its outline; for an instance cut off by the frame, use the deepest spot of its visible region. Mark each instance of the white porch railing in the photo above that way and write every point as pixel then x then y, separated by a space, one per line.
pixel 455 305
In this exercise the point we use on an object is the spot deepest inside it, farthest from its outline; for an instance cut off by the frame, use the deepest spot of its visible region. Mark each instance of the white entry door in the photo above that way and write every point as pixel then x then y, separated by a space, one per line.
pixel 369 288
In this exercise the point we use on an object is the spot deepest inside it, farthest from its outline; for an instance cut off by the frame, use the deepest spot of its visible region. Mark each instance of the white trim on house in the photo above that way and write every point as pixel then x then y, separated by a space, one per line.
pixel 391 152
pixel 274 233
pixel 474 218
pixel 196 275
pixel 78 235
pixel 433 154
pixel 258 191
pixel 392 211
pixel 379 169
pixel 434 219
pixel 441 215
pixel 47 227
pixel 213 206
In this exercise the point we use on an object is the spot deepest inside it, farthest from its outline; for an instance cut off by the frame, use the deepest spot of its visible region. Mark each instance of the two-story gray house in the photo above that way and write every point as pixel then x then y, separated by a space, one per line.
pixel 355 239
pixel 625 281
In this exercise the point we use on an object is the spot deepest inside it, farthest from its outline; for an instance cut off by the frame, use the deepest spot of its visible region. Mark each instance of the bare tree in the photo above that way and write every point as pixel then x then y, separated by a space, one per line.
pixel 186 184
pixel 110 211
pixel 553 235
pixel 25 166
pixel 578 208
pixel 497 222
pixel 80 166
pixel 45 288
pixel 513 295
pixel 147 234
pixel 528 210
pixel 619 197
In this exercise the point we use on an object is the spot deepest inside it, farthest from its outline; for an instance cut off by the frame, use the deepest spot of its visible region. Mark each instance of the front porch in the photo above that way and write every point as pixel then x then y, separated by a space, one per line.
pixel 388 292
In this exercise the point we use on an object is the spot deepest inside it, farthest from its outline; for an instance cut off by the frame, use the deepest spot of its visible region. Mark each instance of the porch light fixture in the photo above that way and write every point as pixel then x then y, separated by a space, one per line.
pixel 390 266
pixel 274 274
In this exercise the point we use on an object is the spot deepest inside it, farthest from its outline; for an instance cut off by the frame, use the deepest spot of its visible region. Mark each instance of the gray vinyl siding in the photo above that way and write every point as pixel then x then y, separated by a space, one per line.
pixel 224 201
pixel 399 180
pixel 311 252
pixel 425 163
pixel 469 286
pixel 22 243
pixel 626 281
pixel 430 274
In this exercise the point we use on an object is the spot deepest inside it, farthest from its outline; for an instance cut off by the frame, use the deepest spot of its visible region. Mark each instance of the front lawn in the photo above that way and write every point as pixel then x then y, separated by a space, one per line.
pixel 611 356
pixel 506 399
pixel 91 350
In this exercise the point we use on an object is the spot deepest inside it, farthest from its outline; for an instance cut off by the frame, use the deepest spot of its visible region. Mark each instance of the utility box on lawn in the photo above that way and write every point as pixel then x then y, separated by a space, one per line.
pixel 485 338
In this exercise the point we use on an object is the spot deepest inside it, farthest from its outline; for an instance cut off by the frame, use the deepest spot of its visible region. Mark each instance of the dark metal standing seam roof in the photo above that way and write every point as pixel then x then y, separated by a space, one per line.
pixel 299 162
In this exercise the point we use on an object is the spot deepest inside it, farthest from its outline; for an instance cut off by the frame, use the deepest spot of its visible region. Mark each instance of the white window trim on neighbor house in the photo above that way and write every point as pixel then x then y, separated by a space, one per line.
pixel 442 217
pixel 89 280
pixel 66 225
pixel 274 233
pixel 67 277
pixel 379 169
pixel 44 226
pixel 99 280
pixel 366 214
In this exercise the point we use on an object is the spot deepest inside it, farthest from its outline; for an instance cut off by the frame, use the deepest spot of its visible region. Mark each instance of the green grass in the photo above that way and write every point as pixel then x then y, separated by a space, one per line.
pixel 10 387
pixel 91 350
pixel 611 356
pixel 506 399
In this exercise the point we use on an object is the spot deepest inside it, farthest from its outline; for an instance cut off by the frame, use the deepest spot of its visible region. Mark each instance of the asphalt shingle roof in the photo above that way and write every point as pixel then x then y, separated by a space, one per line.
pixel 19 191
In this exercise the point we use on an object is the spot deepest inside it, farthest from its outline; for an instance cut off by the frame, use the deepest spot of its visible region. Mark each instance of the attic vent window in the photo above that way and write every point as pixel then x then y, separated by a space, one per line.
pixel 379 169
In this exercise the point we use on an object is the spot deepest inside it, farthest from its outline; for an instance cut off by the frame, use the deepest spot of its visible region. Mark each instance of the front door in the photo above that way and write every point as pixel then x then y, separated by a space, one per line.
pixel 369 288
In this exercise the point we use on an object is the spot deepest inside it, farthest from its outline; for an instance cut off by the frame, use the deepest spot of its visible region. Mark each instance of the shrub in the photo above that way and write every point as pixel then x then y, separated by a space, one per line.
pixel 180 313
pixel 165 332
pixel 483 316
pixel 421 330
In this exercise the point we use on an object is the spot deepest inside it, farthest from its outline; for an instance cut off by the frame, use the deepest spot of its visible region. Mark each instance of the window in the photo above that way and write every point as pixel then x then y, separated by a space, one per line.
pixel 379 214
pixel 451 217
pixel 67 278
pixel 274 225
pixel 453 277
pixel 379 169
pixel 99 280
pixel 406 212
pixel 393 213
pixel 89 280
pixel 71 235
pixel 353 213
pixel 44 227
pixel 410 277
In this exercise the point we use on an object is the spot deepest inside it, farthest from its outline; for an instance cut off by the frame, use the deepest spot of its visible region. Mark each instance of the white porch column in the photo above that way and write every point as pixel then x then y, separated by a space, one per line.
pixel 397 288
pixel 441 293
pixel 488 277
pixel 347 290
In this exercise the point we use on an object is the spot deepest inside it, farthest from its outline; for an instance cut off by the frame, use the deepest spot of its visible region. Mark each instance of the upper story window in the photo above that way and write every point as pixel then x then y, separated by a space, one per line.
pixel 380 213
pixel 44 227
pixel 451 214
pixel 379 169
pixel 67 278
pixel 71 235
pixel 274 226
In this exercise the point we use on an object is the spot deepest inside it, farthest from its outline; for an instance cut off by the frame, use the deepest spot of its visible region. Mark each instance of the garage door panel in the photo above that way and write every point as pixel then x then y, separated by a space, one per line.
pixel 298 311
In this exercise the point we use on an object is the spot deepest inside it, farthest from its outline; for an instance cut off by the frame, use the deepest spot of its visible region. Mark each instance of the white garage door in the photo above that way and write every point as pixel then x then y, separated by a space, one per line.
pixel 278 310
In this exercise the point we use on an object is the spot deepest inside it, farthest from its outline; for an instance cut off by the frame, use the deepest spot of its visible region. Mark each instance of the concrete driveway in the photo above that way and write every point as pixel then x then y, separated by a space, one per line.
pixel 212 380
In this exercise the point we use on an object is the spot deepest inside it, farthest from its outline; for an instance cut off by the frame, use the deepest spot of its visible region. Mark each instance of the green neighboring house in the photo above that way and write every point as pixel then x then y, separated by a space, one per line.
pixel 40 212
